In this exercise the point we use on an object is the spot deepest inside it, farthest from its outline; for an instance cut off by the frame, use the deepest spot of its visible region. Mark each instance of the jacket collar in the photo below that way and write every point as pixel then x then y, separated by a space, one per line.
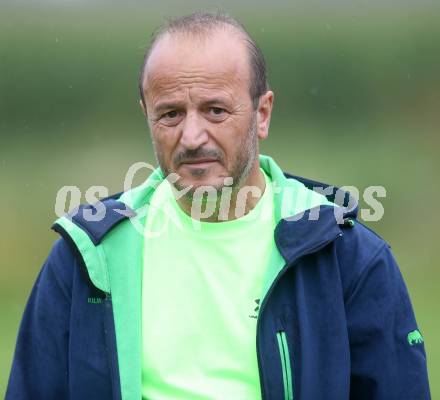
pixel 305 217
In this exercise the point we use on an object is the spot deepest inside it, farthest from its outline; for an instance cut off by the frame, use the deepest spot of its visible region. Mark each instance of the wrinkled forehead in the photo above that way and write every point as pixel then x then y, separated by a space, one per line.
pixel 218 58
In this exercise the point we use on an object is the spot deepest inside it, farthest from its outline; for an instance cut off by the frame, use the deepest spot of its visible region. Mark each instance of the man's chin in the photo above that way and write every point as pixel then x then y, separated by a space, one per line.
pixel 195 178
pixel 190 187
pixel 201 184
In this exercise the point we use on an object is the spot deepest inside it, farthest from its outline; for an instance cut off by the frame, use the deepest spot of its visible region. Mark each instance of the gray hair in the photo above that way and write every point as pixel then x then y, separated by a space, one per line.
pixel 202 23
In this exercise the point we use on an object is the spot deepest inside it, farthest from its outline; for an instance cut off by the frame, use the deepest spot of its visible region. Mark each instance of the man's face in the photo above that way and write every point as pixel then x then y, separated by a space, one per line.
pixel 199 108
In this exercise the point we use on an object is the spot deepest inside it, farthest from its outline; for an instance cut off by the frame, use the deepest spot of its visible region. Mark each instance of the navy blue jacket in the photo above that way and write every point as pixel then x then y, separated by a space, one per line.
pixel 340 305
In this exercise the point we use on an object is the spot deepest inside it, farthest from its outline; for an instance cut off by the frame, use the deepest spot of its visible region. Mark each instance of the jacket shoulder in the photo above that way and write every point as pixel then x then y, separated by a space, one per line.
pixel 358 250
pixel 56 274
pixel 97 219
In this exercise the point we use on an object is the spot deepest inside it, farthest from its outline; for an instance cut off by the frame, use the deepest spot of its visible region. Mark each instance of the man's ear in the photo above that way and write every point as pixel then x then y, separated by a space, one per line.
pixel 264 112
pixel 143 108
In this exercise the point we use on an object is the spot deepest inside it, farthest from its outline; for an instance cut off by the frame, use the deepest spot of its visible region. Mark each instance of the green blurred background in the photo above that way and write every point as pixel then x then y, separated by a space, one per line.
pixel 357 102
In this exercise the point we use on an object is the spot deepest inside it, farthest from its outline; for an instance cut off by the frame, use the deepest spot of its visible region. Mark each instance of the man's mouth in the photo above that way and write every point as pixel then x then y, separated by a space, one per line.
pixel 199 163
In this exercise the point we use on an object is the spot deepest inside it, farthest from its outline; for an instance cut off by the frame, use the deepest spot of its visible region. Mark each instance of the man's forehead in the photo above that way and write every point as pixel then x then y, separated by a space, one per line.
pixel 221 56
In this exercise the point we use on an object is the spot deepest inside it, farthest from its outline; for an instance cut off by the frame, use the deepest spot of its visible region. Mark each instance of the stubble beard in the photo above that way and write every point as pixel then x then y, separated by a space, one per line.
pixel 239 173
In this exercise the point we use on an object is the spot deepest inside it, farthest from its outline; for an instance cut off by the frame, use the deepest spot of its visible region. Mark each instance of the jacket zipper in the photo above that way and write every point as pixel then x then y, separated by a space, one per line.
pixel 264 301
pixel 285 365
pixel 110 347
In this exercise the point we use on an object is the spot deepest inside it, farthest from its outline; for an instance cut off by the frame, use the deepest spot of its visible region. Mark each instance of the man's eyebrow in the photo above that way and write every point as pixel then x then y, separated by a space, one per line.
pixel 166 106
pixel 174 104
pixel 214 101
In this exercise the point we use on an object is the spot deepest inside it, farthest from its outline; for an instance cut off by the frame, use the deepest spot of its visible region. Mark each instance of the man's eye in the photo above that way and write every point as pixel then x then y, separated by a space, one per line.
pixel 217 110
pixel 171 114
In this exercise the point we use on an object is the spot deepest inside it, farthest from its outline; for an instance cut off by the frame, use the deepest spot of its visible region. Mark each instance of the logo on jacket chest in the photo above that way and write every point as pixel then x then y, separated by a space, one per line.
pixel 94 300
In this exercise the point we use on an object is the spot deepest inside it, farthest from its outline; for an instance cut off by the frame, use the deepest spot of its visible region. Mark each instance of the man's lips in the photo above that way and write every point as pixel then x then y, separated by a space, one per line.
pixel 201 163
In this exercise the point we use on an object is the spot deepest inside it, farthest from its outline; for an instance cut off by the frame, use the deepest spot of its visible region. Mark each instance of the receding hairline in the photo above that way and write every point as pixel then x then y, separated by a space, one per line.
pixel 195 36
pixel 200 26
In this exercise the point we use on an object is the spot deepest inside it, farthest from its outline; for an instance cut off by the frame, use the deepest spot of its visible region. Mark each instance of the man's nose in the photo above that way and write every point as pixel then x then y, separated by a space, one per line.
pixel 194 133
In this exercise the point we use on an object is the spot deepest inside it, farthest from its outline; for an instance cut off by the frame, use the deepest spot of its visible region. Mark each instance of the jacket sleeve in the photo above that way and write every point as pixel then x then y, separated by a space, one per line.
pixel 40 364
pixel 388 358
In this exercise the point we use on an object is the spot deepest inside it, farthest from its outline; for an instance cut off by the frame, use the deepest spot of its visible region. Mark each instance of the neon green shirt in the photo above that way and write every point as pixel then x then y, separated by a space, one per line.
pixel 200 298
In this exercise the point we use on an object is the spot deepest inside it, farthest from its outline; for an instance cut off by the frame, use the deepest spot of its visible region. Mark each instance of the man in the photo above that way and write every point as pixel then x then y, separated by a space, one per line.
pixel 242 283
